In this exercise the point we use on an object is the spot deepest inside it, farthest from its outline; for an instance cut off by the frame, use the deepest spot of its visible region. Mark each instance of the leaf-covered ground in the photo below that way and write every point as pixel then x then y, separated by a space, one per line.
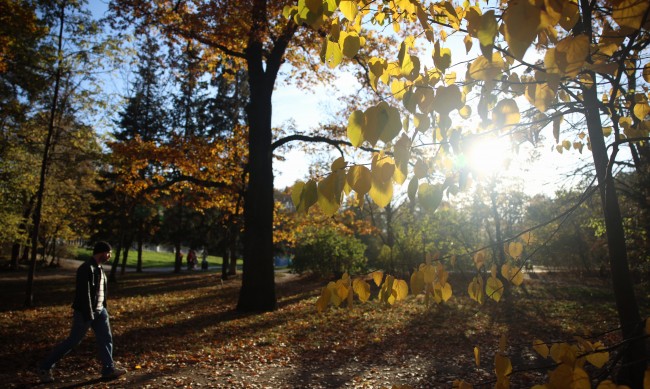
pixel 182 331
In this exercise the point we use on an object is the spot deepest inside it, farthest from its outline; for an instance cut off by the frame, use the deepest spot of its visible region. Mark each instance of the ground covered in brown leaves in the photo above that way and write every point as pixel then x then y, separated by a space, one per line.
pixel 181 330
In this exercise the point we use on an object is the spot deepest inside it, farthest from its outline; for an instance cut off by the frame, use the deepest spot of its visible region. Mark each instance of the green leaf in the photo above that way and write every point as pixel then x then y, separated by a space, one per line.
pixel 430 196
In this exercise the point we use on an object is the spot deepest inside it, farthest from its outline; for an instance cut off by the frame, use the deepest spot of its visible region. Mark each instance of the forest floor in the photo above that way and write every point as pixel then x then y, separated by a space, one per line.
pixel 181 330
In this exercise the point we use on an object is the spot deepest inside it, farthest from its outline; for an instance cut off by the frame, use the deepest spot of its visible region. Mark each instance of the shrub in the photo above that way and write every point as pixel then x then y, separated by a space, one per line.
pixel 327 252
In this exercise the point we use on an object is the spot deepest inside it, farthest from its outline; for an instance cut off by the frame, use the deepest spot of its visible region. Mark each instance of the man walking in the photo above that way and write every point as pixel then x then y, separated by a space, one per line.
pixel 89 311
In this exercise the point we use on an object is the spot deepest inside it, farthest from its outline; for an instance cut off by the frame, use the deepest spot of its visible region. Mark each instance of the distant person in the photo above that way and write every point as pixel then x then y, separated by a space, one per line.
pixel 204 262
pixel 191 259
pixel 89 310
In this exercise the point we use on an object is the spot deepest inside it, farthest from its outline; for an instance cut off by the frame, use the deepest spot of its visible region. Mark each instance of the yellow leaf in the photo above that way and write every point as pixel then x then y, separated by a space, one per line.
pixel 570 15
pixel 540 95
pixel 596 358
pixel 479 259
pixel 356 124
pixel 138 367
pixel 351 43
pixel 349 9
pixel 607 131
pixel 505 271
pixel 563 353
pixel 465 112
pixel 324 299
pixel 607 384
pixel 461 385
pixel 516 86
pixel 304 195
pixel 477 357
pixel 386 118
pixel 484 69
pixel 338 164
pixel 561 377
pixel 557 122
pixel 330 191
pixel 446 292
pixel 522 21
pixel 516 276
pixel 417 282
pixel 333 54
pixel 503 341
pixel 360 179
pixel 475 290
pixel 646 379
pixel 487 29
pixel 503 366
pixel 422 122
pixel 541 348
pixel 571 53
pixel 641 110
pixel 468 43
pixel 402 289
pixel 447 99
pixel 341 290
pixel 506 114
pixel 441 57
pixel 629 13
pixel 362 289
pixel 646 72
pixel 377 68
pixel 515 249
pixel 580 379
pixel 494 288
pixel 377 276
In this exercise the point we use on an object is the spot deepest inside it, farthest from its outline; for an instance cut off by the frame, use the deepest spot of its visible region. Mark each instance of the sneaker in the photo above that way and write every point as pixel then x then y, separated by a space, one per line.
pixel 116 372
pixel 45 376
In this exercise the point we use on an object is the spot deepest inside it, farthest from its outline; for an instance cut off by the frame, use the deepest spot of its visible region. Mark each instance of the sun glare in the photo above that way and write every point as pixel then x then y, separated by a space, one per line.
pixel 488 156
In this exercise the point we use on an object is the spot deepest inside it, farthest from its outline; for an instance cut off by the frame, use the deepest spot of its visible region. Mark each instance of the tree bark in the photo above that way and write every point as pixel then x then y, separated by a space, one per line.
pixel 633 363
pixel 258 280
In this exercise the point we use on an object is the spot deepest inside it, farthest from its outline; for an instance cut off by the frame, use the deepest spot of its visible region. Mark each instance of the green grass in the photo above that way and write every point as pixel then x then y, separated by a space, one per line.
pixel 152 259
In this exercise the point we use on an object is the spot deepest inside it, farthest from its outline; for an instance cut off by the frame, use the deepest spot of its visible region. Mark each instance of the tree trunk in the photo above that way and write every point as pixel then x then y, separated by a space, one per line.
pixel 113 276
pixel 258 280
pixel 29 295
pixel 138 267
pixel 125 255
pixel 633 363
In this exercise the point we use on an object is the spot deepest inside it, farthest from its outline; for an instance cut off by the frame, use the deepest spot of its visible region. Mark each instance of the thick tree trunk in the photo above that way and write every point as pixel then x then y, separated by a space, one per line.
pixel 634 362
pixel 258 280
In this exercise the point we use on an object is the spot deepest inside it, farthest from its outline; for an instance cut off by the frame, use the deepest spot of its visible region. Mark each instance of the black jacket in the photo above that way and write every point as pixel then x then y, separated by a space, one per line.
pixel 85 299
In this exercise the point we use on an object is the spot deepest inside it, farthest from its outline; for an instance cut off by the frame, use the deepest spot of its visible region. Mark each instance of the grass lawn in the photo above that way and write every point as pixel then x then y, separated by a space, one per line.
pixel 152 259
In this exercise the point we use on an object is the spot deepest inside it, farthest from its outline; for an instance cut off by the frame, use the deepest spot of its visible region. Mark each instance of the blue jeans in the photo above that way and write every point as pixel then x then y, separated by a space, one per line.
pixel 102 329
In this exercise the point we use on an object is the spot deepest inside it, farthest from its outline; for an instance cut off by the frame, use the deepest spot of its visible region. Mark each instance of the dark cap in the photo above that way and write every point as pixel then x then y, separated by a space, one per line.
pixel 101 247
